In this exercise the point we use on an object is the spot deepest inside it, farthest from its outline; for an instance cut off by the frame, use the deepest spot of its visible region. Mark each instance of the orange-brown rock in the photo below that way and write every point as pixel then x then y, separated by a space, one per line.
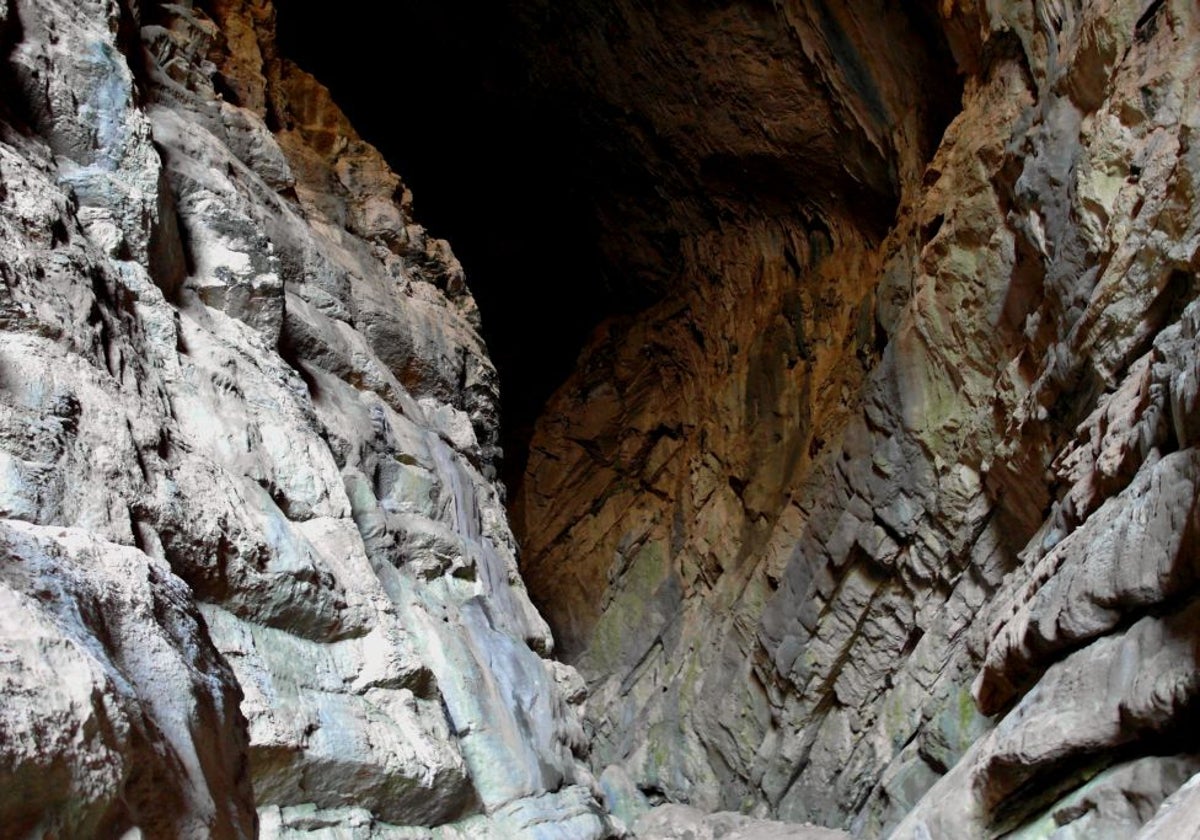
pixel 866 499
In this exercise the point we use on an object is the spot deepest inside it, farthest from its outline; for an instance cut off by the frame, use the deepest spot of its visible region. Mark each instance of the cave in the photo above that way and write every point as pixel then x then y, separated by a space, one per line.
pixel 572 156
pixel 578 421
pixel 562 194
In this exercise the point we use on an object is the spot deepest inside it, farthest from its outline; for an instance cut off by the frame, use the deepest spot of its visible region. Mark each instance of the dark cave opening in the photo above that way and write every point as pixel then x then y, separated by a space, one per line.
pixel 441 89
pixel 568 151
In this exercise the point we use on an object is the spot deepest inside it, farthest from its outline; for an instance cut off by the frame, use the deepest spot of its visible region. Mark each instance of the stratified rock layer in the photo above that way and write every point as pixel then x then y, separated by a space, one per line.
pixel 897 528
pixel 255 558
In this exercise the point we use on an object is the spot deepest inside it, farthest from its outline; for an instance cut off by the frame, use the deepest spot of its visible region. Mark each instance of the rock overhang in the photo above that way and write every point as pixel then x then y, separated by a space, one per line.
pixel 572 152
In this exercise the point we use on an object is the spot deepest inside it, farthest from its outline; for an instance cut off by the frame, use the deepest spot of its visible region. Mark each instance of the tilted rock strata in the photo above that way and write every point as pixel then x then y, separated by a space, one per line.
pixel 909 531
pixel 255 557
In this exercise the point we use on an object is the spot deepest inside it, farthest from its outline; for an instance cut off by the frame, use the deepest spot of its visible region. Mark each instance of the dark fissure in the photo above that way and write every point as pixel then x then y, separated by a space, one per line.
pixel 571 154
pixel 848 364
pixel 499 166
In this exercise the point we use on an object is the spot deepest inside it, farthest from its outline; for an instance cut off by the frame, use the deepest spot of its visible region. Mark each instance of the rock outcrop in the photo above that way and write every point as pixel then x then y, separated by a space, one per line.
pixel 895 517
pixel 257 574
pixel 881 516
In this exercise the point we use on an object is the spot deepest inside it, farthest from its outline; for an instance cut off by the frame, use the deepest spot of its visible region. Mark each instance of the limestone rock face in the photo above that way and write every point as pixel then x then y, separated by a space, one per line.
pixel 897 526
pixel 118 709
pixel 256 570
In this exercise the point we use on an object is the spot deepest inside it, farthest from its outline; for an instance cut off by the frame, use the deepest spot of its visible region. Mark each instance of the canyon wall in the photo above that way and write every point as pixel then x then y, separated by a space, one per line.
pixel 257 575
pixel 882 514
pixel 890 521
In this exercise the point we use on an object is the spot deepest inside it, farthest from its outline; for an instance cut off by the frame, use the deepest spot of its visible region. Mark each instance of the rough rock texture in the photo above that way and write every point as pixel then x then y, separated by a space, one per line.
pixel 895 518
pixel 254 555
pixel 108 672
pixel 679 822
pixel 884 517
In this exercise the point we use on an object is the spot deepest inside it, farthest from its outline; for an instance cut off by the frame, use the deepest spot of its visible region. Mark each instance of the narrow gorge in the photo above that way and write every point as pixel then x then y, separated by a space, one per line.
pixel 806 446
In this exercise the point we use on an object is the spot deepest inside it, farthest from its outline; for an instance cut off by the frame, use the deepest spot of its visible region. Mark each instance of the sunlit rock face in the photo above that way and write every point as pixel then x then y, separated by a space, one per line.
pixel 885 516
pixel 256 575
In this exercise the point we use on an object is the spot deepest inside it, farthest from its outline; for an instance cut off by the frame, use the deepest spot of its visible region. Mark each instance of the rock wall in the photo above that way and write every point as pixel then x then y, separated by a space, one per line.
pixel 896 522
pixel 884 516
pixel 257 575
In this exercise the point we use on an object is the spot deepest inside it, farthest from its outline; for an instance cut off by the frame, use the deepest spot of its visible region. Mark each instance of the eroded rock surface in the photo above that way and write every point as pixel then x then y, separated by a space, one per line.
pixel 255 556
pixel 897 526
pixel 679 822
pixel 882 519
